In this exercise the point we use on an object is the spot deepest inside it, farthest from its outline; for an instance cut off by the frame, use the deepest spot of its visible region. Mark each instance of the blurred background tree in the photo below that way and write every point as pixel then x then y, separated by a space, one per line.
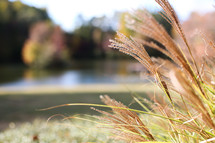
pixel 15 21
pixel 45 46
pixel 90 39
pixel 196 27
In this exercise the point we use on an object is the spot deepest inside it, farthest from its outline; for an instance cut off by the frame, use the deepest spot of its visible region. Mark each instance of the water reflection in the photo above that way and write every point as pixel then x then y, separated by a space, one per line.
pixel 82 72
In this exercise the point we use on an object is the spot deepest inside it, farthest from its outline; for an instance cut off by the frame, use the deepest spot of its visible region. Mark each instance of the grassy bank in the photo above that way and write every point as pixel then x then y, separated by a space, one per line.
pixel 19 106
pixel 22 107
pixel 21 117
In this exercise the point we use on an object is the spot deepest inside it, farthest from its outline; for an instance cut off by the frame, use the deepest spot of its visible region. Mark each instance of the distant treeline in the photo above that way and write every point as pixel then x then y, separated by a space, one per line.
pixel 28 35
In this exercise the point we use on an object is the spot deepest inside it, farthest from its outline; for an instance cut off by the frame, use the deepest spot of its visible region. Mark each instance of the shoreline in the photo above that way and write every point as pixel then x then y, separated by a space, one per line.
pixel 84 88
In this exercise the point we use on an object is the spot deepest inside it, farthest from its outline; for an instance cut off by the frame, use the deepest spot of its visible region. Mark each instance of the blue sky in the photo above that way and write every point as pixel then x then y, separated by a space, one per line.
pixel 64 12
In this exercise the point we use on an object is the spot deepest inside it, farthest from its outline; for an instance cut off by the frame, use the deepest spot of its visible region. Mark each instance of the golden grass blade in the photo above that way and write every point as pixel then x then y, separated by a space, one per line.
pixel 208 140
pixel 171 14
pixel 185 88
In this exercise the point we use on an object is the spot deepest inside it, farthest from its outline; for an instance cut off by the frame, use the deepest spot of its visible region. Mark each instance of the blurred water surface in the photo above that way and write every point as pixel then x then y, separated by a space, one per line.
pixel 80 72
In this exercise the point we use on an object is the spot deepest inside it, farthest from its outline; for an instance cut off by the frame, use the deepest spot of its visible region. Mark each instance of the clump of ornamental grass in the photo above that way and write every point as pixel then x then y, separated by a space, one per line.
pixel 186 112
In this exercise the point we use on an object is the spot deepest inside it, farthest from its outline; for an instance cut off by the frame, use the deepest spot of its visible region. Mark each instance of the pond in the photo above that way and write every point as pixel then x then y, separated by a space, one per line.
pixel 80 72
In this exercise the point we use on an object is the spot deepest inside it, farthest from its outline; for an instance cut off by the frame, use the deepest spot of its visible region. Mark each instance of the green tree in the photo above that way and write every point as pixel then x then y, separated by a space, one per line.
pixel 45 46
pixel 15 20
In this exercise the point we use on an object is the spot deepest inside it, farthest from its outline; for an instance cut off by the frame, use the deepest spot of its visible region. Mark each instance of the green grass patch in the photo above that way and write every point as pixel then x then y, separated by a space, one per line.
pixel 22 108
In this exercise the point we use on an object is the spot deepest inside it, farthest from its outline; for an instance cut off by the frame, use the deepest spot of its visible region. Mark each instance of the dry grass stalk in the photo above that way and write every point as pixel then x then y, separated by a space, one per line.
pixel 173 18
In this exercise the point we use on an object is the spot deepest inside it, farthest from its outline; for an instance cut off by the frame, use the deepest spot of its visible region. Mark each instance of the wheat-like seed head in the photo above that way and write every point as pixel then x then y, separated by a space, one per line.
pixel 126 124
